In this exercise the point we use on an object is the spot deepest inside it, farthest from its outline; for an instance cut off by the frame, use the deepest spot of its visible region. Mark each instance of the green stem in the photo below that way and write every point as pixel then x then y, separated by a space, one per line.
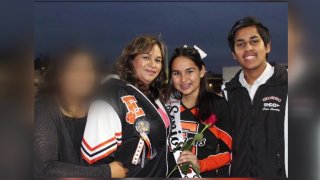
pixel 175 168
pixel 193 140
pixel 206 127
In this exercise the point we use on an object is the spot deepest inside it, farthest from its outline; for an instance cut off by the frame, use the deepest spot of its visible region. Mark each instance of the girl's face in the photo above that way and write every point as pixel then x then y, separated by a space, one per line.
pixel 147 66
pixel 79 76
pixel 186 76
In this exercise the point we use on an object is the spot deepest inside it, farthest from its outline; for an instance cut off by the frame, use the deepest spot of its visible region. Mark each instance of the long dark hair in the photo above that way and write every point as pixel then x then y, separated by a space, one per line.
pixel 204 103
pixel 124 68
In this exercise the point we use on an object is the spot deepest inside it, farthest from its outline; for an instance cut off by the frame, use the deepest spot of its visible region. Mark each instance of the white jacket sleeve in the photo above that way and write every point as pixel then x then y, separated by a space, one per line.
pixel 103 132
pixel 224 92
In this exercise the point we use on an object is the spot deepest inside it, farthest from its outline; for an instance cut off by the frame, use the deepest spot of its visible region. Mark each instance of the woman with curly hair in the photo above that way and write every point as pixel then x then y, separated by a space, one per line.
pixel 128 122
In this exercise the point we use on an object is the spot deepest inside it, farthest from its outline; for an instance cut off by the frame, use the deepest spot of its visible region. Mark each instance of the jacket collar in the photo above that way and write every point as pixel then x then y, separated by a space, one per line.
pixel 279 77
pixel 109 77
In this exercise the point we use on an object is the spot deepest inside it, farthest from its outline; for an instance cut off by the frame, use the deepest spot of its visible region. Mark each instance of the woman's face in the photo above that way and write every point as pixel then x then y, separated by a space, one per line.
pixel 147 66
pixel 186 76
pixel 79 76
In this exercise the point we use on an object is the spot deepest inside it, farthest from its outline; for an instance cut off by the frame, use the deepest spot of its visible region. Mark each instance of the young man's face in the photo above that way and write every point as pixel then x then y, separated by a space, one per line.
pixel 250 50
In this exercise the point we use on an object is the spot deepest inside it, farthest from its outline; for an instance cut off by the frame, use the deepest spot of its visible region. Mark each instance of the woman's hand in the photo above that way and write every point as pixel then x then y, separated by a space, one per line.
pixel 187 156
pixel 117 170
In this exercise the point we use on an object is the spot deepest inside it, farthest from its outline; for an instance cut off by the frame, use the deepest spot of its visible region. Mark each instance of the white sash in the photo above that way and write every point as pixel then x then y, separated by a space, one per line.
pixel 176 133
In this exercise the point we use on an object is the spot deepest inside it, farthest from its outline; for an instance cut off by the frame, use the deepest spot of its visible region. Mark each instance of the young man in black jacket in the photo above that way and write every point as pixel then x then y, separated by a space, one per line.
pixel 257 96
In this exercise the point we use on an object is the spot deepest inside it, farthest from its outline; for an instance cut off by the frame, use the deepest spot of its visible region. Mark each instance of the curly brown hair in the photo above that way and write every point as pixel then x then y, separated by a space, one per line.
pixel 124 68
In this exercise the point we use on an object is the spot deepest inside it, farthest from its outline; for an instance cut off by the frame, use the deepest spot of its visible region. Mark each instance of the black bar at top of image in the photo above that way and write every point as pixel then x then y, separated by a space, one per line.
pixel 151 1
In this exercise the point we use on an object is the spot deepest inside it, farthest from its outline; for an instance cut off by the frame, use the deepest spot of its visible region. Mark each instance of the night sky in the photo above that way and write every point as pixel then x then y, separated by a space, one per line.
pixel 108 26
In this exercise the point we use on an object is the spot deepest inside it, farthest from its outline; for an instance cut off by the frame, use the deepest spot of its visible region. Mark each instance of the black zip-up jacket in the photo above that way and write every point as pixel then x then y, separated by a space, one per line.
pixel 258 126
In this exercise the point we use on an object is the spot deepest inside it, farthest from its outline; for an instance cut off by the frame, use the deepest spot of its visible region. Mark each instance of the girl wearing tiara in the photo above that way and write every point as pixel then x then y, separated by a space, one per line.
pixel 191 108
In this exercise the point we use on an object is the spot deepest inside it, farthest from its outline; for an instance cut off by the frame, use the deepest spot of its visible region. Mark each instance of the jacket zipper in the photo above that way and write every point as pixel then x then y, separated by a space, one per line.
pixel 251 106
pixel 251 119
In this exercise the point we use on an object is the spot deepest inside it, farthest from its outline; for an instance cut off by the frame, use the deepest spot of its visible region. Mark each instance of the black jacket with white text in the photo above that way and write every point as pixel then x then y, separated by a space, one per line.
pixel 258 126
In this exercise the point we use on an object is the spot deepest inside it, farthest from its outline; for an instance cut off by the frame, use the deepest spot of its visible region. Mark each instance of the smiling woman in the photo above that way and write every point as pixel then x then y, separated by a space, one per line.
pixel 148 65
pixel 128 122
pixel 142 64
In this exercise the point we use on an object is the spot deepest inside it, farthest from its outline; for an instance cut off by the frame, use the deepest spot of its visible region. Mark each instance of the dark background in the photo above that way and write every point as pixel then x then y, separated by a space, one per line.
pixel 18 17
pixel 108 26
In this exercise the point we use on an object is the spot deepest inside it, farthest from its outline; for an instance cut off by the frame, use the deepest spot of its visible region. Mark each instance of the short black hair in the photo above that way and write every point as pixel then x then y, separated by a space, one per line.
pixel 263 31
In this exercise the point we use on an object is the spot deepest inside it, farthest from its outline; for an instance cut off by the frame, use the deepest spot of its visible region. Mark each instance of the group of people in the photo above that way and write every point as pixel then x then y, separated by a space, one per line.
pixel 138 120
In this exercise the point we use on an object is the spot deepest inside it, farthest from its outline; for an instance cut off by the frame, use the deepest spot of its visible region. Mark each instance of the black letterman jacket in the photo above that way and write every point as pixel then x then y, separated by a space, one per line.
pixel 258 126
pixel 110 132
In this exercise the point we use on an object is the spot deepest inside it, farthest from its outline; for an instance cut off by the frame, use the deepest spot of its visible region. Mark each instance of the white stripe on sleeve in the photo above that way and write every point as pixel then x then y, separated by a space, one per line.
pixel 103 132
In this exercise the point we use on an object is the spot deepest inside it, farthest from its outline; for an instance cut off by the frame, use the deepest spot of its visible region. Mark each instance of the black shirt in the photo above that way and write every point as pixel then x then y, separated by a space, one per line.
pixel 55 153
pixel 75 127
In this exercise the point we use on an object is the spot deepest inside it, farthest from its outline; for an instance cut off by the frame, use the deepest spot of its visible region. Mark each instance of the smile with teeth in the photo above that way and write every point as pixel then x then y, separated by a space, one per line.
pixel 250 57
pixel 185 86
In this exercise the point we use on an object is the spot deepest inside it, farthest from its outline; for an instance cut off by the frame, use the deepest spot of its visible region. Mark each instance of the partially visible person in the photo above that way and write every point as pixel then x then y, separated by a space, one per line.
pixel 38 81
pixel 304 99
pixel 190 106
pixel 128 122
pixel 258 98
pixel 296 57
pixel 16 109
pixel 60 117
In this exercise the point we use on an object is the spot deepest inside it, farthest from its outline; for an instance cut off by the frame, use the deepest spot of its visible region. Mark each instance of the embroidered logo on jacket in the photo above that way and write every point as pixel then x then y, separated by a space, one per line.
pixel 268 98
pixel 273 105
pixel 134 111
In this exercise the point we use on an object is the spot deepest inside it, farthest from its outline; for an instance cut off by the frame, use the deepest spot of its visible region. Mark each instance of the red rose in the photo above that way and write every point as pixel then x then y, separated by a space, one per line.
pixel 211 120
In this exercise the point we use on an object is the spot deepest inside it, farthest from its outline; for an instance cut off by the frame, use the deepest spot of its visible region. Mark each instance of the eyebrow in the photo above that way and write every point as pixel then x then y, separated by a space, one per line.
pixel 150 55
pixel 174 70
pixel 253 37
